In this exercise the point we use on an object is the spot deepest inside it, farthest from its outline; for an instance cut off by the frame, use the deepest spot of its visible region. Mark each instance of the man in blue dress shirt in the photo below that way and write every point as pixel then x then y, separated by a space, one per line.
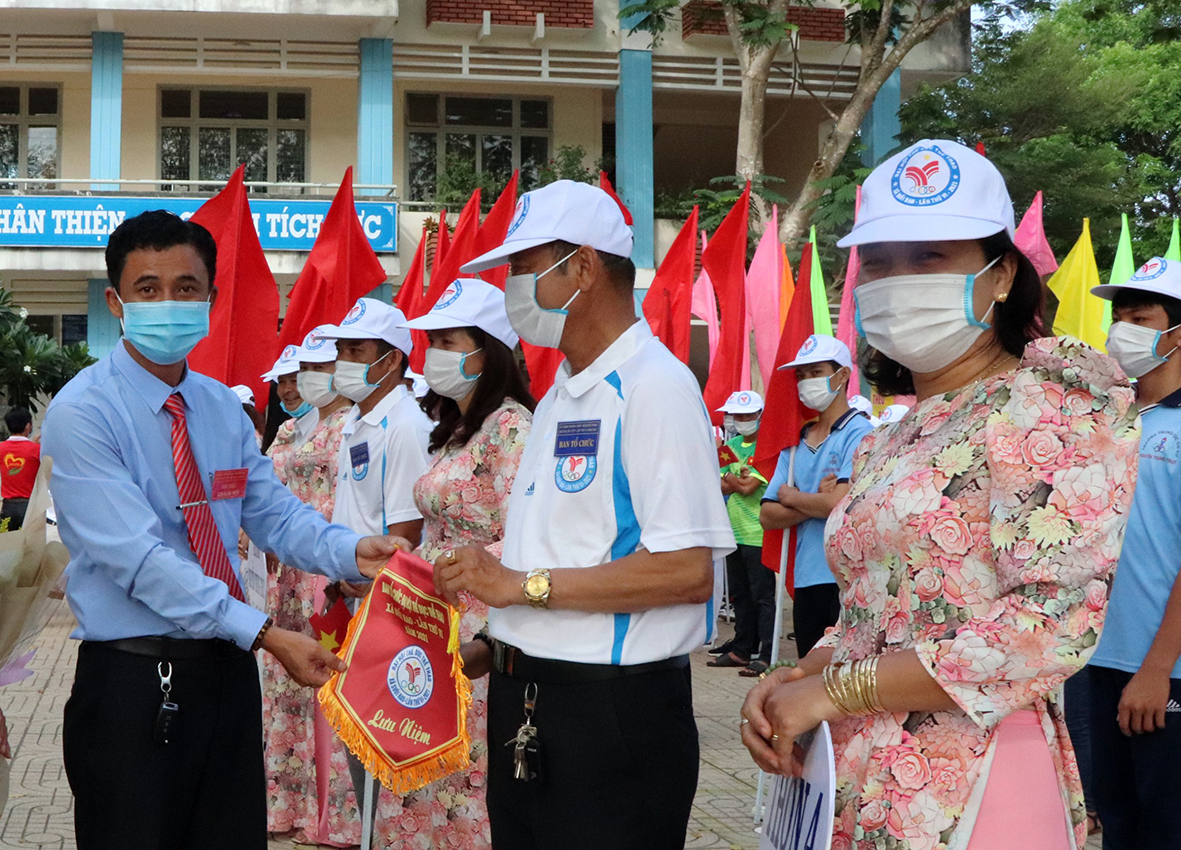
pixel 155 470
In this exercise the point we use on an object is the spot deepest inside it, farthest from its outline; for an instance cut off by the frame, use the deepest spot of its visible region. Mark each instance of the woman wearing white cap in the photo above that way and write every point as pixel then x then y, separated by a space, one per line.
pixel 484 411
pixel 296 753
pixel 977 542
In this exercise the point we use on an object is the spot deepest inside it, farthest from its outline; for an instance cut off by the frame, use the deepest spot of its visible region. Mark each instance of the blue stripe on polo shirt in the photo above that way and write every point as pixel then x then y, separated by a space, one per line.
pixel 627 527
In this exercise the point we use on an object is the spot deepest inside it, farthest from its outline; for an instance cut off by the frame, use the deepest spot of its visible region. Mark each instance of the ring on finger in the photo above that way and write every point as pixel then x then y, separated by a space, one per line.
pixel 450 556
pixel 774 737
pixel 743 722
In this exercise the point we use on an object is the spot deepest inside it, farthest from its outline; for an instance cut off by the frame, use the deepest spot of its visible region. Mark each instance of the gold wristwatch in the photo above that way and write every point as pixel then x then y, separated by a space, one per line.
pixel 537 587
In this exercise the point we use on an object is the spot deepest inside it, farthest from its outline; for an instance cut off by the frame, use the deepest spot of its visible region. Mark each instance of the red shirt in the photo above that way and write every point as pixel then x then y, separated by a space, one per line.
pixel 20 458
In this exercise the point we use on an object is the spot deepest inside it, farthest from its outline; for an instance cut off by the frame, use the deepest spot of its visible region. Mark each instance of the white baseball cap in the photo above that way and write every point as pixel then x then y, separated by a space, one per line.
pixel 860 402
pixel 244 393
pixel 743 401
pixel 1157 275
pixel 565 211
pixel 419 384
pixel 934 191
pixel 287 364
pixel 372 319
pixel 317 348
pixel 469 303
pixel 893 414
pixel 820 348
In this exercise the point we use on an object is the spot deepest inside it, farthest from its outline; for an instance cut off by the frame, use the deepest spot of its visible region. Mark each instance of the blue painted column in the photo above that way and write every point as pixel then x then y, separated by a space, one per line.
pixel 375 112
pixel 106 108
pixel 633 141
pixel 102 329
pixel 880 129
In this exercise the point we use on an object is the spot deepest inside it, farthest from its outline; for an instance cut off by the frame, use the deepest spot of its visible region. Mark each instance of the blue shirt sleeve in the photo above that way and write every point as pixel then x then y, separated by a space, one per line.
pixel 105 513
pixel 779 478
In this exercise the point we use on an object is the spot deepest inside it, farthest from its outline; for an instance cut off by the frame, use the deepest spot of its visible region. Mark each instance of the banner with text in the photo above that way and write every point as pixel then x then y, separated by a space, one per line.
pixel 76 221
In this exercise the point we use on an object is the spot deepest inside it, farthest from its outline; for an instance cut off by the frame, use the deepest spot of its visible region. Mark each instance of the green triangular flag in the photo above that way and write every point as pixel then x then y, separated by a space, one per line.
pixel 1174 252
pixel 1123 267
pixel 821 317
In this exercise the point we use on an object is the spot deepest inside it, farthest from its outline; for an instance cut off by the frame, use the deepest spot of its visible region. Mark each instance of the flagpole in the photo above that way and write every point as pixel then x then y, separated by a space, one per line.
pixel 367 813
pixel 777 629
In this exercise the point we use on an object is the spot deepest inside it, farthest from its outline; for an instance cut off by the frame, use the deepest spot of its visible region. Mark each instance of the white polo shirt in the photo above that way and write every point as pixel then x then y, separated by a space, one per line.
pixel 305 425
pixel 381 455
pixel 620 457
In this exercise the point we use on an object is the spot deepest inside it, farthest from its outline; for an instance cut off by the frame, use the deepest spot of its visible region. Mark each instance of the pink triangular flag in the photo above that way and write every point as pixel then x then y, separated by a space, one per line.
pixel 846 327
pixel 762 296
pixel 1031 239
pixel 704 305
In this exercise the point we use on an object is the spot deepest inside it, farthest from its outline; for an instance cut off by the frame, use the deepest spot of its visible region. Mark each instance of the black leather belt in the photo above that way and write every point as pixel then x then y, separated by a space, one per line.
pixel 168 648
pixel 513 662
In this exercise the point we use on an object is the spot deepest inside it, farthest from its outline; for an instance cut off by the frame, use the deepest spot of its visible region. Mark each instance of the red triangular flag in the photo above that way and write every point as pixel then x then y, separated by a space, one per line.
pixel 542 364
pixel 495 227
pixel 605 185
pixel 461 249
pixel 980 149
pixel 410 297
pixel 783 414
pixel 245 318
pixel 331 628
pixel 340 269
pixel 666 306
pixel 724 260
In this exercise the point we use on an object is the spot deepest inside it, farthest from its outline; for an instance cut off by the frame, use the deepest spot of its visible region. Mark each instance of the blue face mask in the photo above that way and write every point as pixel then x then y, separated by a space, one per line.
pixel 165 331
pixel 300 411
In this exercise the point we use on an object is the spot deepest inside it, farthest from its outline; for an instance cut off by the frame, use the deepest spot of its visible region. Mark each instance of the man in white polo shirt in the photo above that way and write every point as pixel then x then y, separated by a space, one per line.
pixel 615 523
pixel 384 445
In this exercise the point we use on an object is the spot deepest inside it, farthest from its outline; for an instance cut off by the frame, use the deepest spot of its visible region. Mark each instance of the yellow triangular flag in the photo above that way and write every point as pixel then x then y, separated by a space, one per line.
pixel 1080 314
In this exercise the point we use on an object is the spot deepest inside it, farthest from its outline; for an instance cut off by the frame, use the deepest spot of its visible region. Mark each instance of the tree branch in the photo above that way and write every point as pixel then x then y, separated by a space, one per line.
pixel 878 45
pixel 799 80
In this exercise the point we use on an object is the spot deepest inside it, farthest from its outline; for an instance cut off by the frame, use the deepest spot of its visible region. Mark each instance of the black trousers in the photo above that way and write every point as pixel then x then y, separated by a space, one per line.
pixel 619 758
pixel 815 608
pixel 14 511
pixel 1135 780
pixel 206 788
pixel 752 593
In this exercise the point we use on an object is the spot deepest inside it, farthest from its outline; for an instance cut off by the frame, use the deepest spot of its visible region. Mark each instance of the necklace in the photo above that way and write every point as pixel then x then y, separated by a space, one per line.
pixel 990 369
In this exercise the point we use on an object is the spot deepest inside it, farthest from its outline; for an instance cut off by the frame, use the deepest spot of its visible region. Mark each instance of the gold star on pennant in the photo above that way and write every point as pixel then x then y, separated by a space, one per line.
pixel 328 641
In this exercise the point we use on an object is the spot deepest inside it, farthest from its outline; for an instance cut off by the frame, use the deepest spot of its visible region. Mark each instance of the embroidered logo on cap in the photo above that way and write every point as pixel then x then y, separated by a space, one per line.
pixel 450 296
pixel 926 177
pixel 744 398
pixel 810 345
pixel 355 314
pixel 411 679
pixel 1151 270
pixel 575 473
pixel 312 342
pixel 522 211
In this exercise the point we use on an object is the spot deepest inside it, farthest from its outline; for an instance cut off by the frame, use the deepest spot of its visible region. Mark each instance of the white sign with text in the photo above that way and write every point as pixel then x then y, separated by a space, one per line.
pixel 800 812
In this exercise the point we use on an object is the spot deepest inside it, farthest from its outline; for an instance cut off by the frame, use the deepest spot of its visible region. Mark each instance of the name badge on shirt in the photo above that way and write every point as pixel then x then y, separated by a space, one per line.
pixel 228 484
pixel 359 454
pixel 577 439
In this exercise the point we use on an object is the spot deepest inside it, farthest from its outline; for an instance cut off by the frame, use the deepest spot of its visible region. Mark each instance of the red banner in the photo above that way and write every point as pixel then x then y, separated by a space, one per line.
pixel 401 706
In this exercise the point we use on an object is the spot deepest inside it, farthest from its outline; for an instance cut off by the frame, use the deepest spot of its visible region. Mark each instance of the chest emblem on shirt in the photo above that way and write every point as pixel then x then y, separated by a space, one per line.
pixel 359 460
pixel 575 473
pixel 13 464
pixel 1161 446
pixel 411 679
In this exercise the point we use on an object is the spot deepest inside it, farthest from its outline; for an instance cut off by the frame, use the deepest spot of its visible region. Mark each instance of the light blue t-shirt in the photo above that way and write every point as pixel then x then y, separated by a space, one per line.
pixel 832 457
pixel 1151 556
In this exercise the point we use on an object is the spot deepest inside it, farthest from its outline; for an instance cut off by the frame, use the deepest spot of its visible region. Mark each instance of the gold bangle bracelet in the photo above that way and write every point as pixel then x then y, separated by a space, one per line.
pixel 853 687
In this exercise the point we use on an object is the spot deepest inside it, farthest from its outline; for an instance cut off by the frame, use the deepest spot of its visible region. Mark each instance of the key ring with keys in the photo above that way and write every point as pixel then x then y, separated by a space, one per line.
pixel 165 678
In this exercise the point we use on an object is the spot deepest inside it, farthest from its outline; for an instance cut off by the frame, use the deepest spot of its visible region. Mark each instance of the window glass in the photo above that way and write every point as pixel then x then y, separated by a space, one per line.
pixel 43 101
pixel 10 100
pixel 422 162
pixel 291 106
pixel 422 108
pixel 10 150
pixel 461 147
pixel 534 156
pixel 535 114
pixel 41 325
pixel 252 152
pixel 213 153
pixel 74 328
pixel 497 156
pixel 174 153
pixel 479 111
pixel 42 161
pixel 176 103
pixel 290 156
pixel 233 105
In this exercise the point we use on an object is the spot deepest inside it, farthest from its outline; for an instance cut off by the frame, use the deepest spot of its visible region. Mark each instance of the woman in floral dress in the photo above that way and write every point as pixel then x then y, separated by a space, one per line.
pixel 479 399
pixel 309 792
pixel 976 546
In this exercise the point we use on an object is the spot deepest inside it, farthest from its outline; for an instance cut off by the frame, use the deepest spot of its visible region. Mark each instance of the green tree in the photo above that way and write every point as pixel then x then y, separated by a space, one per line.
pixel 32 364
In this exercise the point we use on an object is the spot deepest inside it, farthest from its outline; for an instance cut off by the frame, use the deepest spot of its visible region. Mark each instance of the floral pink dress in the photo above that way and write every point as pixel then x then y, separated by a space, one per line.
pixel 980 532
pixel 290 711
pixel 463 496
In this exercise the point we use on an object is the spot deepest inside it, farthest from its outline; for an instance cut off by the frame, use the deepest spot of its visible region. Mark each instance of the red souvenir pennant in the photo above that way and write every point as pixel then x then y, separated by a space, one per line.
pixel 332 627
pixel 401 706
pixel 726 456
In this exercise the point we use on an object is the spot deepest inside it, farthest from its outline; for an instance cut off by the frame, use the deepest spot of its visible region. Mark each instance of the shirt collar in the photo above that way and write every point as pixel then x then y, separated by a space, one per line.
pixel 17 438
pixel 151 389
pixel 383 407
pixel 844 420
pixel 1172 400
pixel 615 355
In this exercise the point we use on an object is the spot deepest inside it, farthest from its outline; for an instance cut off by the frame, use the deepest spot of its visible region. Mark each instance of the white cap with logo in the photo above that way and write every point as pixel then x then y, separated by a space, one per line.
pixel 893 413
pixel 1158 275
pixel 316 347
pixel 372 319
pixel 287 364
pixel 743 401
pixel 469 303
pixel 244 393
pixel 563 211
pixel 934 191
pixel 821 348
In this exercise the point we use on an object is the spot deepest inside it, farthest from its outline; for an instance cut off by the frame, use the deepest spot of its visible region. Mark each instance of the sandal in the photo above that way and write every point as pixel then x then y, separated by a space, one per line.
pixel 728 660
pixel 721 648
pixel 755 668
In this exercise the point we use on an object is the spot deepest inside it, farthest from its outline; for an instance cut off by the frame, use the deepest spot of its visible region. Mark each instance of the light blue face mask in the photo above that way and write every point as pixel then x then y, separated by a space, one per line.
pixel 165 331
pixel 300 411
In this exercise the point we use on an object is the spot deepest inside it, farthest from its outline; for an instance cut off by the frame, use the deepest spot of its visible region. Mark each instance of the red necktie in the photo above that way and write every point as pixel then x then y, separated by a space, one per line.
pixel 203 536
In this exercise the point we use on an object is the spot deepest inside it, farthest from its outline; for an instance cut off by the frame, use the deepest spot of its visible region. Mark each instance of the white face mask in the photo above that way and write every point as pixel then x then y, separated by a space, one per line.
pixel 445 374
pixel 817 393
pixel 532 322
pixel 923 321
pixel 1134 347
pixel 352 379
pixel 316 388
pixel 746 428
